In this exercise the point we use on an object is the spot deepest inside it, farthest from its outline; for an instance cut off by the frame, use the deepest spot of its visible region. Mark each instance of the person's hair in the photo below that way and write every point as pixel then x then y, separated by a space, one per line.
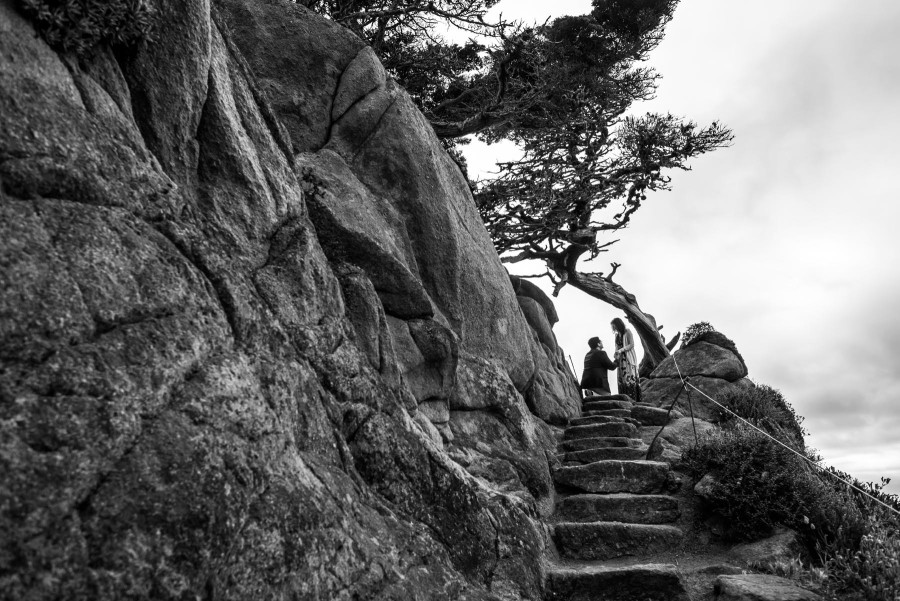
pixel 619 325
pixel 594 342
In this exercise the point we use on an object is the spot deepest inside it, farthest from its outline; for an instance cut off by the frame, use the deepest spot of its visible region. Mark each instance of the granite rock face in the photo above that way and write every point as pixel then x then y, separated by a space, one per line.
pixel 711 363
pixel 254 340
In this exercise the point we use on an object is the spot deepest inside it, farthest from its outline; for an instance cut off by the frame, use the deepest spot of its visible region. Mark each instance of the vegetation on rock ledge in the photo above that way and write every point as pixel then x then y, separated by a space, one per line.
pixel 78 26
pixel 756 485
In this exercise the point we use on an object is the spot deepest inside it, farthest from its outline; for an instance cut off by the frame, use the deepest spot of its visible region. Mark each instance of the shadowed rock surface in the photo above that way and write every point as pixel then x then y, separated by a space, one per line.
pixel 256 342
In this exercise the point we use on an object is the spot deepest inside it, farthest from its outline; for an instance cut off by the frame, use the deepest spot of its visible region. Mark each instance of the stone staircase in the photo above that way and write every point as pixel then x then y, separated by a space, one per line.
pixel 614 515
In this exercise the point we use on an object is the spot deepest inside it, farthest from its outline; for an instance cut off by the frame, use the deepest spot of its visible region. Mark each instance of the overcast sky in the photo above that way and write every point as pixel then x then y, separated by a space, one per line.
pixel 788 241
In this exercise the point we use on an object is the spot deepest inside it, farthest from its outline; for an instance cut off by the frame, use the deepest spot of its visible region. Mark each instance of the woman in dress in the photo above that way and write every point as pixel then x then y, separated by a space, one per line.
pixel 626 361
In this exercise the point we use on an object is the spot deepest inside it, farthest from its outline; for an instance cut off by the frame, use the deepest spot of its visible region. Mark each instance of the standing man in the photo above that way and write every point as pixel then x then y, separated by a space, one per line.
pixel 596 368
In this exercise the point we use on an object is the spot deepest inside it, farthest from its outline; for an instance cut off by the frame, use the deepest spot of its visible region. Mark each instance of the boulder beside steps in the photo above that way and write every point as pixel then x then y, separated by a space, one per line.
pixel 613 509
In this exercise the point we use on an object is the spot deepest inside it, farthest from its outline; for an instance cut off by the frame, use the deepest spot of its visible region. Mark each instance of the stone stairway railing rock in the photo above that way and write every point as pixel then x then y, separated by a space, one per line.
pixel 614 507
pixel 615 528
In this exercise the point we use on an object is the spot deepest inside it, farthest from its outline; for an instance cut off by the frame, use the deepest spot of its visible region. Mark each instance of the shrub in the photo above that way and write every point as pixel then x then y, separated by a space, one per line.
pixel 80 25
pixel 767 409
pixel 872 570
pixel 758 483
pixel 694 330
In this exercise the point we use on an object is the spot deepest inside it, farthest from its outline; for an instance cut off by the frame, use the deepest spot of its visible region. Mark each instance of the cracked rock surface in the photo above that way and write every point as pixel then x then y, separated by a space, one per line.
pixel 208 386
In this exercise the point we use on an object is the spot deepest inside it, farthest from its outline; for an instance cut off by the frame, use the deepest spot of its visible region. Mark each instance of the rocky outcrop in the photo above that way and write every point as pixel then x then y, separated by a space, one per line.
pixel 712 364
pixel 256 342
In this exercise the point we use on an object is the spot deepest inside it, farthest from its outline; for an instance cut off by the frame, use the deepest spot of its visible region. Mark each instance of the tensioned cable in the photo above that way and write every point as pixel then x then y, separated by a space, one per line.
pixel 769 436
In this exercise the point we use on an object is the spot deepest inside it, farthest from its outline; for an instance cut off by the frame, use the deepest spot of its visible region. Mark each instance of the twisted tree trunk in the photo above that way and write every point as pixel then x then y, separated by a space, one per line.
pixel 603 288
pixel 644 323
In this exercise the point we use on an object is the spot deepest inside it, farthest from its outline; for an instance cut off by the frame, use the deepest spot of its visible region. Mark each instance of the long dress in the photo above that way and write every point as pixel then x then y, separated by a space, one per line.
pixel 627 372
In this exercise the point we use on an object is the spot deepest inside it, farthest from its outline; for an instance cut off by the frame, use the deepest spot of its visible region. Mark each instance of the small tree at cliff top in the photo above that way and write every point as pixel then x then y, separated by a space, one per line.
pixel 561 91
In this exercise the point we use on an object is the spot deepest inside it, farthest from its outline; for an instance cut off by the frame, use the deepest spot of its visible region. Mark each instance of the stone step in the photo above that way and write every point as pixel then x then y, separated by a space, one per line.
pixel 608 413
pixel 609 397
pixel 598 419
pixel 600 442
pixel 605 405
pixel 592 582
pixel 618 430
pixel 592 455
pixel 608 540
pixel 609 476
pixel 650 416
pixel 619 507
pixel 750 587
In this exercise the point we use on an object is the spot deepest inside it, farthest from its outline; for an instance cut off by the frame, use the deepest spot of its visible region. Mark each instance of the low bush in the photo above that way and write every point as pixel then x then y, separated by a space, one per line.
pixel 766 408
pixel 695 330
pixel 871 572
pixel 759 485
pixel 78 26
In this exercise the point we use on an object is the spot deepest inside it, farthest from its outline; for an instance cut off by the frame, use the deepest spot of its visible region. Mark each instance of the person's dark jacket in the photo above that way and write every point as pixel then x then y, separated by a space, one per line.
pixel 596 370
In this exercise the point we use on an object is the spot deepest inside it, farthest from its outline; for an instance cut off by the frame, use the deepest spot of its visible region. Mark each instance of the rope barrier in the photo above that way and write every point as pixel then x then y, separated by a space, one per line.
pixel 685 383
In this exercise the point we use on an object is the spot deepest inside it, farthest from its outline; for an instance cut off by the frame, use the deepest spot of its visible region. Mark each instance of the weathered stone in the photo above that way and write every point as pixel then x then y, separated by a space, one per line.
pixel 53 147
pixel 429 429
pixel 608 540
pixel 781 546
pixel 760 587
pixel 365 312
pixel 193 404
pixel 601 419
pixel 706 487
pixel 427 354
pixel 639 477
pixel 662 392
pixel 663 450
pixel 527 288
pixel 591 455
pixel 651 582
pixel 650 416
pixel 362 76
pixel 680 432
pixel 403 159
pixel 592 405
pixel 537 319
pixel 553 395
pixel 617 430
pixel 632 509
pixel 623 413
pixel 360 228
pixel 581 444
pixel 436 411
pixel 493 449
pixel 297 60
pixel 701 359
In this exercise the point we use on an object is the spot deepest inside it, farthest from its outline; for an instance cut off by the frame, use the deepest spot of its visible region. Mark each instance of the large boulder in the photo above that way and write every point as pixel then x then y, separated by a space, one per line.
pixel 527 288
pixel 237 275
pixel 711 363
pixel 537 320
pixel 702 359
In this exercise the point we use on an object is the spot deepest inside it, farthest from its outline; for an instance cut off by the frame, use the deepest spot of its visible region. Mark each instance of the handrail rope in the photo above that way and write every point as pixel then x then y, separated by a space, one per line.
pixel 767 435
